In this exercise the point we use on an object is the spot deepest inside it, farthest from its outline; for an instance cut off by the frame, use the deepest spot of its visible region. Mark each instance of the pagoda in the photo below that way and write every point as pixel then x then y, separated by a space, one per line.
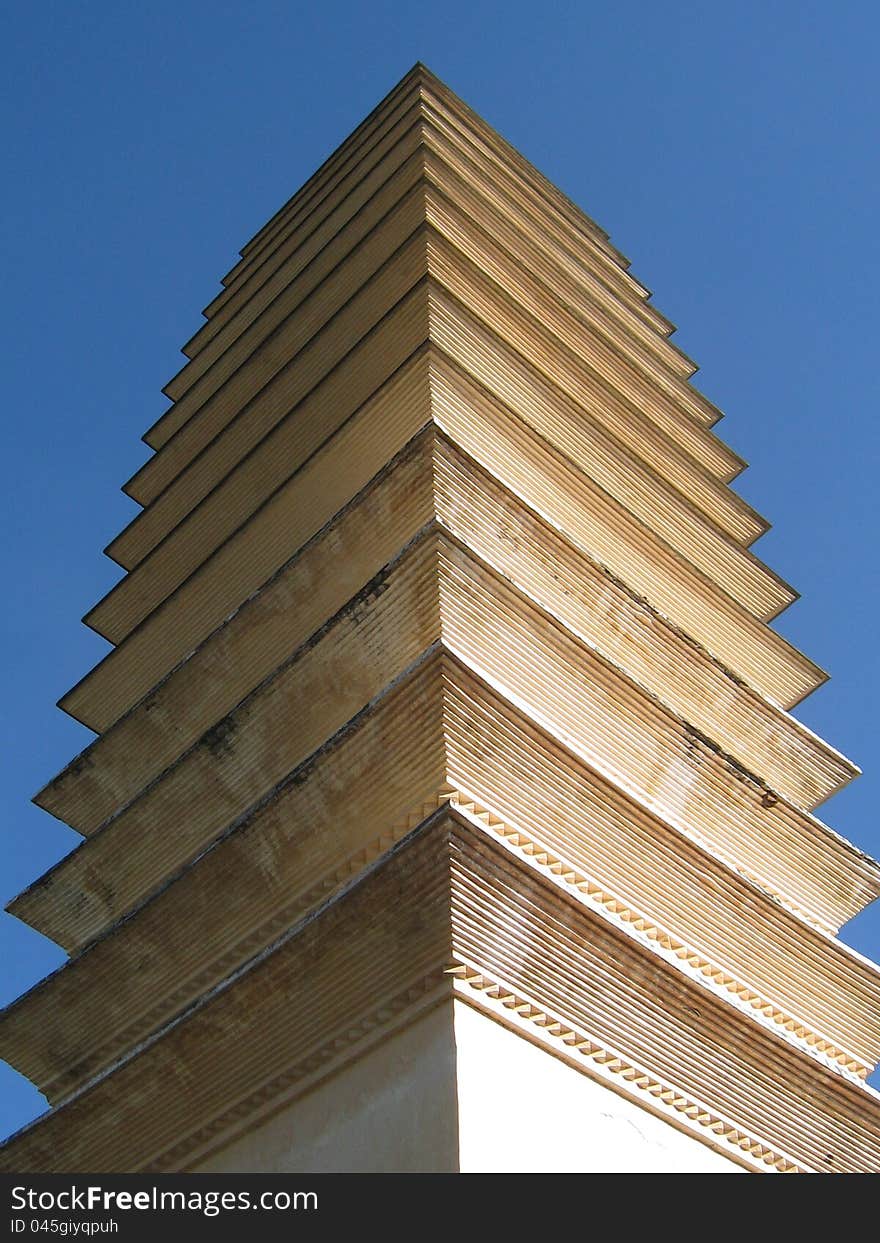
pixel 446 811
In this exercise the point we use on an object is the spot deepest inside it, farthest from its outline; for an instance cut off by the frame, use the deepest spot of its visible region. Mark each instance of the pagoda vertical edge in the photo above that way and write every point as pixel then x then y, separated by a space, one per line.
pixel 446 809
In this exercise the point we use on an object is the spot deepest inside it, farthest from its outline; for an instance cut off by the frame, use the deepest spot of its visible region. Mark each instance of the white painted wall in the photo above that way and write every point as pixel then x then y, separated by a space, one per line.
pixel 521 1110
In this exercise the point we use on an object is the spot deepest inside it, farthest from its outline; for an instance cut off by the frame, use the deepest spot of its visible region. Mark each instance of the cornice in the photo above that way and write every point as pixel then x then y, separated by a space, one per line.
pixel 560 493
pixel 641 451
pixel 195 517
pixel 262 312
pixel 496 152
pixel 277 860
pixel 478 765
pixel 342 311
pixel 252 641
pixel 610 721
pixel 436 128
pixel 220 435
pixel 342 1006
pixel 376 155
pixel 230 377
pixel 530 780
pixel 317 238
pixel 434 87
pixel 513 1011
pixel 429 475
pixel 223 378
pixel 315 691
pixel 592 977
pixel 385 423
pixel 623 284
pixel 343 970
pixel 527 465
pixel 437 589
pixel 562 875
pixel 317 181
pixel 582 425
pixel 462 191
pixel 602 611
pixel 188 518
pixel 363 156
pixel 375 160
pixel 421 732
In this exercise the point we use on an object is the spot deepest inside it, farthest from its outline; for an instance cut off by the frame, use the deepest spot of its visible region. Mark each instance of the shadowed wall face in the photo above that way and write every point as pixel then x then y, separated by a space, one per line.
pixel 392 1111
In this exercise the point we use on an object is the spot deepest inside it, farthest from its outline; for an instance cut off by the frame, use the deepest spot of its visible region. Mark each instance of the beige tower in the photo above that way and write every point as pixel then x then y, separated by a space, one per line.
pixel 446 811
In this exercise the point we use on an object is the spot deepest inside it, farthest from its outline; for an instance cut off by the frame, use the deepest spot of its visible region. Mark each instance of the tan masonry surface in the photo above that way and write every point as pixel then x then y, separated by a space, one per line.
pixel 445 739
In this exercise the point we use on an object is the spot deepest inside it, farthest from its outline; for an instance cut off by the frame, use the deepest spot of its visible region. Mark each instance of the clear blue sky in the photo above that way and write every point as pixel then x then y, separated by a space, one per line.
pixel 731 151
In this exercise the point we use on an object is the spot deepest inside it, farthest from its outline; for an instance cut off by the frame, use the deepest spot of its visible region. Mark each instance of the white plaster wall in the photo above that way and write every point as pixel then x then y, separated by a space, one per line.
pixel 394 1110
pixel 521 1110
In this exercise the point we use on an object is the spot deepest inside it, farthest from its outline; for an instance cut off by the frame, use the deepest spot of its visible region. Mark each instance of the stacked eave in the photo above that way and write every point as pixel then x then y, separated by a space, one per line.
pixel 438 582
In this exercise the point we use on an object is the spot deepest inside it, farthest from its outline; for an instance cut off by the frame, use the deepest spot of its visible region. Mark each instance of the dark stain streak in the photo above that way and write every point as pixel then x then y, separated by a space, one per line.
pixel 77 767
pixel 219 739
pixel 694 738
pixel 359 604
